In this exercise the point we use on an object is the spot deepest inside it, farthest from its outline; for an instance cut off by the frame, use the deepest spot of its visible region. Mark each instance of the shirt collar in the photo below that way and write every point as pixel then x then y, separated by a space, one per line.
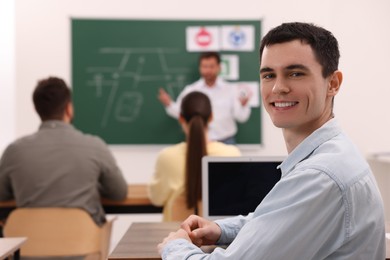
pixel 326 132
pixel 54 124
pixel 218 82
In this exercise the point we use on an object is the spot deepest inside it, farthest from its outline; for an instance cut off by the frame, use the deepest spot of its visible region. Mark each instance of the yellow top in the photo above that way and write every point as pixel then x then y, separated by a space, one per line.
pixel 169 176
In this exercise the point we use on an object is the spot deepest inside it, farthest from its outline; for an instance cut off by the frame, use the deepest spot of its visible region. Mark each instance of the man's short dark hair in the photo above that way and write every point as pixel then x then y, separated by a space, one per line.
pixel 50 97
pixel 208 55
pixel 322 42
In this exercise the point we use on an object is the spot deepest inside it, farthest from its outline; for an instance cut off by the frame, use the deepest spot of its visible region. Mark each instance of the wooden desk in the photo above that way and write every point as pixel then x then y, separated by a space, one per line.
pixel 11 246
pixel 141 239
pixel 137 201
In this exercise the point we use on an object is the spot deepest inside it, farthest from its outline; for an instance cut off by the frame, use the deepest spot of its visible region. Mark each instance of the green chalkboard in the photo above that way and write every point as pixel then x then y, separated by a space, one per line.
pixel 119 65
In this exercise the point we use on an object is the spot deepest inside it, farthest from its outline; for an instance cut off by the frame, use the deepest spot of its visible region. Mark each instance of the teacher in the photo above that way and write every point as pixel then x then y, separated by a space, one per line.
pixel 228 107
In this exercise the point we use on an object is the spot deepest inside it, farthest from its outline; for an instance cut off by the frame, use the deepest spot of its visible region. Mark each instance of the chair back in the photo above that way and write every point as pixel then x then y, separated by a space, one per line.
pixel 57 232
pixel 179 210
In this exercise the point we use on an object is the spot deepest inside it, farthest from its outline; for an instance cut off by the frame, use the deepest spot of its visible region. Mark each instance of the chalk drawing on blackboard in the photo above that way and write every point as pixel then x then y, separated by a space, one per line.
pixel 176 86
pixel 126 105
pixel 111 97
pixel 98 82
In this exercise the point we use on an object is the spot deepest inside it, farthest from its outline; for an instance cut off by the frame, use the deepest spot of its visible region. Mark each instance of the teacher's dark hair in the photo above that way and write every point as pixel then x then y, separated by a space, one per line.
pixel 196 111
pixel 210 54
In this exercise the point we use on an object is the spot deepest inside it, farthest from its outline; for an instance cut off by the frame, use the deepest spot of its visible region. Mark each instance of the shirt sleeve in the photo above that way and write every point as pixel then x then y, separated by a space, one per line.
pixel 173 109
pixel 5 180
pixel 241 113
pixel 180 247
pixel 230 228
pixel 299 211
pixel 113 185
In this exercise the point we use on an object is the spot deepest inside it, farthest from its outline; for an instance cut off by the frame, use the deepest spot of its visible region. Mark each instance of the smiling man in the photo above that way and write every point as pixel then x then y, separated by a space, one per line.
pixel 297 92
pixel 327 204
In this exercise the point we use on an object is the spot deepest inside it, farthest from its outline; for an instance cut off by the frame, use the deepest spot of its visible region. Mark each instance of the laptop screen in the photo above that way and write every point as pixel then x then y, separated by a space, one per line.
pixel 234 186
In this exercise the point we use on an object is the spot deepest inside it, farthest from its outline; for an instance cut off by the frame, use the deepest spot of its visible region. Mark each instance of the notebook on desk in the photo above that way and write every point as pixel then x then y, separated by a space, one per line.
pixel 234 186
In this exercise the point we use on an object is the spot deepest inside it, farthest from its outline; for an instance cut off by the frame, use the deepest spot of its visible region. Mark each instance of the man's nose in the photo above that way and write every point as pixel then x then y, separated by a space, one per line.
pixel 280 86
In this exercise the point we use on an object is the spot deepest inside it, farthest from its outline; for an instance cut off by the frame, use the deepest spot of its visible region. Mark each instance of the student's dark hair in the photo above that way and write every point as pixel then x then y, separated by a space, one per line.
pixel 196 111
pixel 208 55
pixel 322 42
pixel 50 97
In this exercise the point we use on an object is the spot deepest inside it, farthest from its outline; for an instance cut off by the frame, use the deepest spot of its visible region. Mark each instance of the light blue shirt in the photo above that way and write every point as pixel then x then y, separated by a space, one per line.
pixel 326 206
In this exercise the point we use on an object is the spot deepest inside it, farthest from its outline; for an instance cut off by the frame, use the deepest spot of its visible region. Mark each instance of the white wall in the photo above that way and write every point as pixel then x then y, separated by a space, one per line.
pixel 7 72
pixel 42 48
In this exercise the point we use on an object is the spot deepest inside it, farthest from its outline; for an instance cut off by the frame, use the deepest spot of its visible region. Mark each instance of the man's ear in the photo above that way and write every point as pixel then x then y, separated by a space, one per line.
pixel 69 112
pixel 210 118
pixel 334 83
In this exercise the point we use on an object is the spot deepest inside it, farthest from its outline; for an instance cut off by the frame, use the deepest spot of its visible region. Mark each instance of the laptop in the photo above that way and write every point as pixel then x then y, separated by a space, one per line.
pixel 234 186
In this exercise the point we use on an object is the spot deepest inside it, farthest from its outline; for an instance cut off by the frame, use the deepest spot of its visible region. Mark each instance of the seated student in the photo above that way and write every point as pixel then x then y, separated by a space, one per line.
pixel 178 167
pixel 59 166
pixel 327 204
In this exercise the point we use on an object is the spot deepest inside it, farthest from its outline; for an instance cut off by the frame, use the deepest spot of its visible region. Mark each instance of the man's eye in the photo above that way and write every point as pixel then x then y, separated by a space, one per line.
pixel 296 74
pixel 268 76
